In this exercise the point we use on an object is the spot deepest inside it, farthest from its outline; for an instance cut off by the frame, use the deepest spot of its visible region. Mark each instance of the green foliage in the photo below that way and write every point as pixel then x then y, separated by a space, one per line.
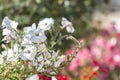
pixel 15 71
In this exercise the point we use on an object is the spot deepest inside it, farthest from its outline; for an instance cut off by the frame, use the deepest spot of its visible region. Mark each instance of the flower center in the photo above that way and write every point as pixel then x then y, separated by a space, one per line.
pixel 36 34
pixel 46 24
pixel 28 51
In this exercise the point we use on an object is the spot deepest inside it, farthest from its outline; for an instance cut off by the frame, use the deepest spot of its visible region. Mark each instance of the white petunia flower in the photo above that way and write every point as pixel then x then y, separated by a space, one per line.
pixel 33 77
pixel 26 41
pixel 27 29
pixel 37 36
pixel 2 55
pixel 27 36
pixel 68 25
pixel 10 55
pixel 28 53
pixel 9 28
pixel 34 35
pixel 45 24
pixel 9 24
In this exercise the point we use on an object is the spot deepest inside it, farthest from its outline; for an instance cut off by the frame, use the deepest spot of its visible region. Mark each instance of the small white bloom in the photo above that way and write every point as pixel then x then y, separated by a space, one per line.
pixel 28 53
pixel 27 36
pixel 47 62
pixel 27 29
pixel 6 32
pixel 9 24
pixel 41 47
pixel 45 24
pixel 35 35
pixel 9 28
pixel 54 78
pixel 33 77
pixel 26 41
pixel 11 56
pixel 68 25
pixel 59 61
pixel 46 54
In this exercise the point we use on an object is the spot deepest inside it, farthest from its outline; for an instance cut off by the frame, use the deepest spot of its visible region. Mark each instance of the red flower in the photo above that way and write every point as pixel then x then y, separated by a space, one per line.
pixel 44 77
pixel 100 66
pixel 63 77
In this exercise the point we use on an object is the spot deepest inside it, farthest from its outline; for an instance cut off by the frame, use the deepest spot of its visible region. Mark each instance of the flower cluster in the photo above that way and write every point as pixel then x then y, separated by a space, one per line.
pixel 102 52
pixel 29 47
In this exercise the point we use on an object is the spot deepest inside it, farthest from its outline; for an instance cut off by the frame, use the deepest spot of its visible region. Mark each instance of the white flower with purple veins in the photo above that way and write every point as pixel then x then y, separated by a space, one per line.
pixel 68 25
pixel 26 37
pixel 33 77
pixel 37 36
pixel 28 53
pixel 27 29
pixel 45 24
pixel 9 28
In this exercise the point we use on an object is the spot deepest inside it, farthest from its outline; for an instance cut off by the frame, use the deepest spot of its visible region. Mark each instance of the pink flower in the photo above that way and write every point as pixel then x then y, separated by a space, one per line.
pixel 99 41
pixel 74 64
pixel 111 44
pixel 96 52
pixel 81 59
pixel 70 51
pixel 84 56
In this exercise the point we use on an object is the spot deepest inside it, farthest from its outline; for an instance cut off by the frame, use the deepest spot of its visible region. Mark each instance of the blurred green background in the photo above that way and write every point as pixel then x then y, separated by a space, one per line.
pixel 25 12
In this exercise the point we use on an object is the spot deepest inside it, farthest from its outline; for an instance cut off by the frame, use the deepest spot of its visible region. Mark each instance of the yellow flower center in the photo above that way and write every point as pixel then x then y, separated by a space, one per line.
pixel 36 34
